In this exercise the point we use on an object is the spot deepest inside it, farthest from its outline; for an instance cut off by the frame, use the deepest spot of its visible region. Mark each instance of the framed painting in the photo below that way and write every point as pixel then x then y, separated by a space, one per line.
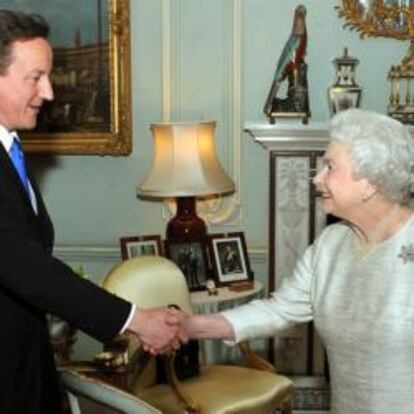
pixel 133 246
pixel 191 258
pixel 229 256
pixel 91 111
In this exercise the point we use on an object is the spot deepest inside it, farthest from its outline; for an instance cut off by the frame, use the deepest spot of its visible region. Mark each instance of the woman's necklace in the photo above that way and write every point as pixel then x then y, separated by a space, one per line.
pixel 365 248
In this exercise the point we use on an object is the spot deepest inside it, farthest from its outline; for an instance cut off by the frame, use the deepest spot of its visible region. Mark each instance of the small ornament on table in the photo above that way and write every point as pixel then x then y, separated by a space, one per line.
pixel 211 287
pixel 345 93
pixel 291 66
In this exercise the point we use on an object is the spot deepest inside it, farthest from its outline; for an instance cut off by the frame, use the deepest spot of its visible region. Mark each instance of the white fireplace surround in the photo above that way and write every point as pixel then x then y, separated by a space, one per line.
pixel 299 137
pixel 292 136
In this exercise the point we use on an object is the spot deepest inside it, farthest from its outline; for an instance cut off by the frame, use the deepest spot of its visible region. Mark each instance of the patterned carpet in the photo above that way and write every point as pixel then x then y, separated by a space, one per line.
pixel 311 395
pixel 310 412
pixel 305 412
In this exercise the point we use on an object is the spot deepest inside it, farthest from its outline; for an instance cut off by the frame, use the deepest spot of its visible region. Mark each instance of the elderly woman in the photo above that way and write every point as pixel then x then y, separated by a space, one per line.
pixel 356 282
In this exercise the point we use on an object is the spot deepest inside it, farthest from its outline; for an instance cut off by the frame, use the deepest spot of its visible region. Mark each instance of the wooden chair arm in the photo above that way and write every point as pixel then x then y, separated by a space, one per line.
pixel 78 383
pixel 191 406
pixel 253 359
pixel 137 364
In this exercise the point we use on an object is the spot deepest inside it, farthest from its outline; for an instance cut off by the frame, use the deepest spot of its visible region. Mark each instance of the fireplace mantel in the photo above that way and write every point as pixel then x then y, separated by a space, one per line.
pixel 296 137
pixel 295 218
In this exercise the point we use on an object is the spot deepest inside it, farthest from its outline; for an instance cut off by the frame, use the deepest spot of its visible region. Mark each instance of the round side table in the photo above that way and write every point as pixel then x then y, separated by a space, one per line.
pixel 203 303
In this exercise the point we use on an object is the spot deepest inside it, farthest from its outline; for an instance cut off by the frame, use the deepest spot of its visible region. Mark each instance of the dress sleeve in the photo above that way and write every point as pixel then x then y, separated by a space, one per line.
pixel 289 305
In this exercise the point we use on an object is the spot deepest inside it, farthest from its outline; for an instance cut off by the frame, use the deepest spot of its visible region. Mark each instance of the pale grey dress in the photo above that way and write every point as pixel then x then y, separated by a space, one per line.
pixel 363 308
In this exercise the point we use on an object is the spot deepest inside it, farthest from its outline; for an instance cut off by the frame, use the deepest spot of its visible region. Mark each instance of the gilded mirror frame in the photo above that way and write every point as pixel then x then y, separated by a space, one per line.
pixel 378 18
pixel 115 138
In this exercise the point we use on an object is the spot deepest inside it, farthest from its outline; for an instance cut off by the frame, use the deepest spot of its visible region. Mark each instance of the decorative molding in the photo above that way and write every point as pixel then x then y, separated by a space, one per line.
pixel 88 253
pixel 257 254
pixel 227 211
pixel 295 152
pixel 166 59
pixel 221 210
pixel 311 137
pixel 112 253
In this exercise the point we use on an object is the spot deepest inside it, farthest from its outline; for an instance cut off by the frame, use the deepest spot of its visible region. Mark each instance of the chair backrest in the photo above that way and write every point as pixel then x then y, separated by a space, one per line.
pixel 149 282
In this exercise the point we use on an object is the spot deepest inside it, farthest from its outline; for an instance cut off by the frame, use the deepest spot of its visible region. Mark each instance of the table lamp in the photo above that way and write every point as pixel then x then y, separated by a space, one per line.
pixel 185 166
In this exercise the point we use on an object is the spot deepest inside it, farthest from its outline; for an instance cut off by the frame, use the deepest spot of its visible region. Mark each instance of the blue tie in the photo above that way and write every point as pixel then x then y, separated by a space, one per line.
pixel 17 156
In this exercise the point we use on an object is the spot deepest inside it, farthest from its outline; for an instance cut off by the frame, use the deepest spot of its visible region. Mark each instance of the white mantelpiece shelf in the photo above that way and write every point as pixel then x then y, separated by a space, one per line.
pixel 310 137
pixel 294 137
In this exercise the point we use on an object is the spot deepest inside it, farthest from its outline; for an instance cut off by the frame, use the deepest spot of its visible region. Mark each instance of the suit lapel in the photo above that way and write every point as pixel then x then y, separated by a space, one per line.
pixel 10 171
pixel 41 220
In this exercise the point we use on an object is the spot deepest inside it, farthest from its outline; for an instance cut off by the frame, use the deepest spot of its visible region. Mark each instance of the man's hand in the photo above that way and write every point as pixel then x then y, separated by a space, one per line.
pixel 158 328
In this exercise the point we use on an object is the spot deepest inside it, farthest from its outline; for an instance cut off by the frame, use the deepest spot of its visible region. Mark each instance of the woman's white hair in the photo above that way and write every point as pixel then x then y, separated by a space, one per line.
pixel 382 150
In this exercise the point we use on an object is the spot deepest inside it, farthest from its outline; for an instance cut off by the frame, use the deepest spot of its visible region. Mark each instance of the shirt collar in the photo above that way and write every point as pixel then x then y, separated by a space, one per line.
pixel 6 137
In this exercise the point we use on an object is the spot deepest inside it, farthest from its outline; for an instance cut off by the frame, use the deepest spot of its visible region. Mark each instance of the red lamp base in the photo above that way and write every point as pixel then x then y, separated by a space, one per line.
pixel 186 225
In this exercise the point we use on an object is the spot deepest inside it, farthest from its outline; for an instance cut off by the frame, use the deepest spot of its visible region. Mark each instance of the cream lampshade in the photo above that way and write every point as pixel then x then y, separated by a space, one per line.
pixel 185 166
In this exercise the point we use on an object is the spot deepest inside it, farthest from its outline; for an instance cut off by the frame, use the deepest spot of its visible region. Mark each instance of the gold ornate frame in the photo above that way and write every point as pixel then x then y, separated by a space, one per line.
pixel 117 140
pixel 380 20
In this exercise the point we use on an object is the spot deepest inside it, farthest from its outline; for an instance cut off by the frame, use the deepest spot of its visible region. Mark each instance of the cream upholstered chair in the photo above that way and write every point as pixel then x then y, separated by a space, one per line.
pixel 152 281
pixel 77 383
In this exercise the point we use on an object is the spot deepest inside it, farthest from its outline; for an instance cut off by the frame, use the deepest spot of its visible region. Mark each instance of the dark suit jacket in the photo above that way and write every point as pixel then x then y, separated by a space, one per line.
pixel 33 282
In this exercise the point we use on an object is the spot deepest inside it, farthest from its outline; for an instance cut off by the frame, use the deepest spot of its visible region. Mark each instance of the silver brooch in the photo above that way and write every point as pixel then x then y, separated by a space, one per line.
pixel 407 253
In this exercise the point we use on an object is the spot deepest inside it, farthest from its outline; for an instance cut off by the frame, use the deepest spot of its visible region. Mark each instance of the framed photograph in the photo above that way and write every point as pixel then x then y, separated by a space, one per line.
pixel 229 257
pixel 191 258
pixel 134 246
pixel 91 112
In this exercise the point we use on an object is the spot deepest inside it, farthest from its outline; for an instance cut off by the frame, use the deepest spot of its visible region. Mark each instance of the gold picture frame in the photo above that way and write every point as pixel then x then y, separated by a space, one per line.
pixel 110 132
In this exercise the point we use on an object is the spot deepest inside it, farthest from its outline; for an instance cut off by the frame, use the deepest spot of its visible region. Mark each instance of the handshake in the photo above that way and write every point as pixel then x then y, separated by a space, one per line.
pixel 160 330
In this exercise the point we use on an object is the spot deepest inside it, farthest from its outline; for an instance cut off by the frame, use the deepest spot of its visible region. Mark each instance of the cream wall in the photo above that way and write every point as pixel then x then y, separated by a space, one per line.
pixel 193 60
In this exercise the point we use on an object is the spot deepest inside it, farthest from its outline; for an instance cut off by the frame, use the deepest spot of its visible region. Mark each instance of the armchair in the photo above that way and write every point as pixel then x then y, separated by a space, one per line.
pixel 152 281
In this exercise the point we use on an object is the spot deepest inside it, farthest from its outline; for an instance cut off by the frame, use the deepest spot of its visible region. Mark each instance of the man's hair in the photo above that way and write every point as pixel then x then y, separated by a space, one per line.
pixel 15 26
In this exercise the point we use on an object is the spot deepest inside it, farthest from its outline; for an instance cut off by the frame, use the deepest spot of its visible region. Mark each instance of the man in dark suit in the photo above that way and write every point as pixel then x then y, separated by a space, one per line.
pixel 32 281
